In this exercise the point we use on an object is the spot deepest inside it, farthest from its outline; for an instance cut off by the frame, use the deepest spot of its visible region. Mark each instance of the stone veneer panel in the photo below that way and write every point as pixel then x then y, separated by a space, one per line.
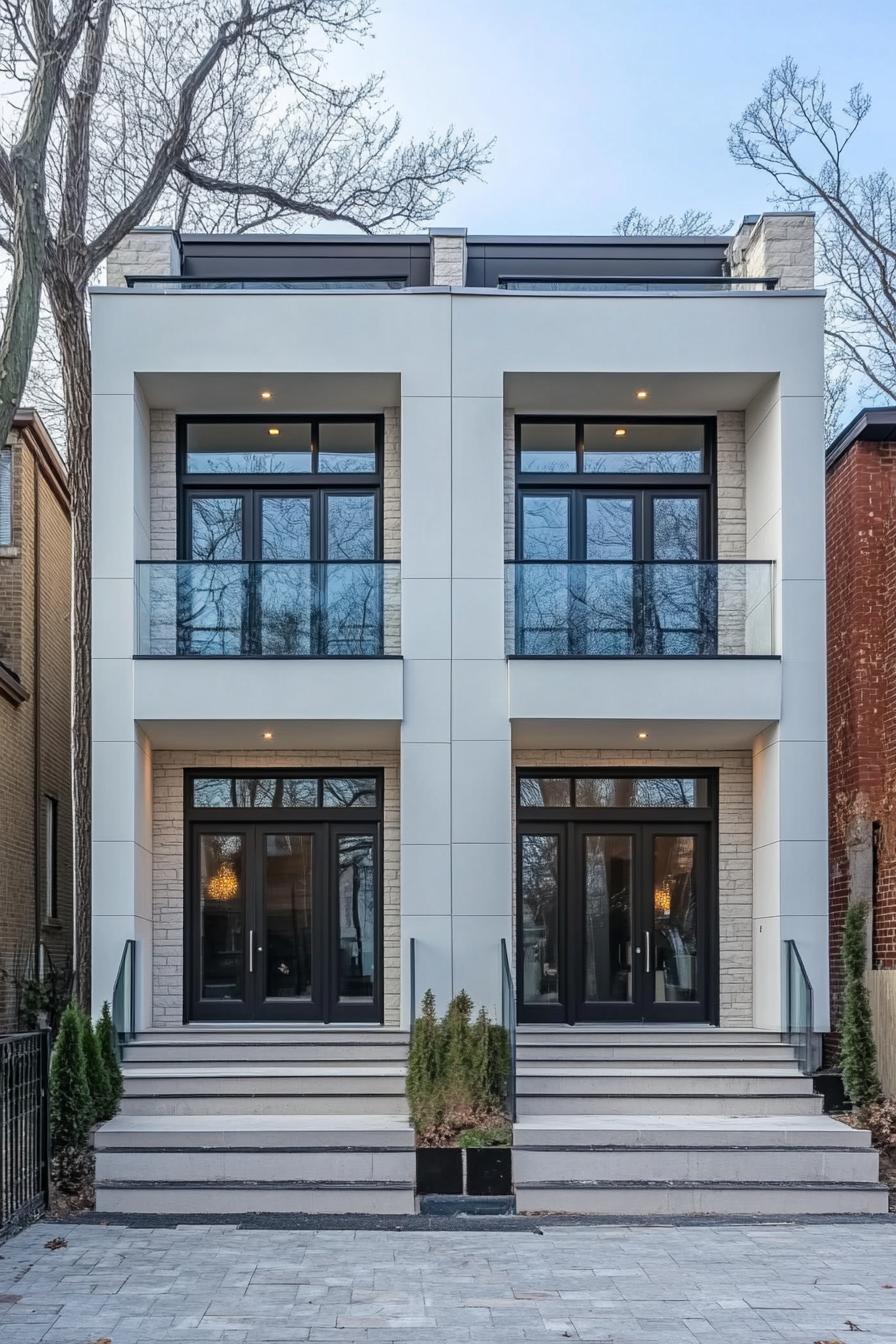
pixel 143 252
pixel 168 862
pixel 735 836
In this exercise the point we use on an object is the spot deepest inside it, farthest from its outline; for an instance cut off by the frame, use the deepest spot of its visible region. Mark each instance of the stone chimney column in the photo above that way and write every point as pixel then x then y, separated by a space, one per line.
pixel 776 244
pixel 149 251
pixel 448 256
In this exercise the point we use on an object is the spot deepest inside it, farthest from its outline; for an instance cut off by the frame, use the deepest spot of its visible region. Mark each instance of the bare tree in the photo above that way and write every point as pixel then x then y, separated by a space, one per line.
pixel 205 113
pixel 792 133
pixel 689 224
pixel 29 35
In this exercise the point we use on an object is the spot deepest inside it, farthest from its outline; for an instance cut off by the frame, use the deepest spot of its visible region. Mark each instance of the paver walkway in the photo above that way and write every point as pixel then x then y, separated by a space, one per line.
pixel 629 1285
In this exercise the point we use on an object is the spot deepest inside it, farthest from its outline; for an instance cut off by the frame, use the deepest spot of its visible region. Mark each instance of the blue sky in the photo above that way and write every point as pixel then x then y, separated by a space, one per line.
pixel 598 105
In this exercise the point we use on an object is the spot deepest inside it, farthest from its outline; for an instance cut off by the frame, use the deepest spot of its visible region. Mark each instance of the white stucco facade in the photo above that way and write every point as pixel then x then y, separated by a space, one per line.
pixel 451 707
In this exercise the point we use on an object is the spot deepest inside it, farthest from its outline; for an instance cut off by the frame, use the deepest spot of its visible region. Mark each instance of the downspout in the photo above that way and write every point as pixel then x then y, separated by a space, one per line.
pixel 36 704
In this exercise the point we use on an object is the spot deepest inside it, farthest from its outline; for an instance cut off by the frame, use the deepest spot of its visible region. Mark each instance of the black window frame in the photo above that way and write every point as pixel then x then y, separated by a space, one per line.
pixel 251 486
pixel 571 812
pixel 553 820
pixel 645 486
pixel 51 857
pixel 338 820
pixel 195 812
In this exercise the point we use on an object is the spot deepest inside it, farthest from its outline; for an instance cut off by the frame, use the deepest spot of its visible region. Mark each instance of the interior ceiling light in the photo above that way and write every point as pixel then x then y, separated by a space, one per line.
pixel 620 433
pixel 641 393
pixel 273 430
pixel 266 396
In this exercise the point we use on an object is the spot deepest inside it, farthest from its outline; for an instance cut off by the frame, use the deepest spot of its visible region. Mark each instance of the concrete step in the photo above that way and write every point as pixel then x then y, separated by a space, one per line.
pixel 254 1131
pixel 677 1131
pixel 668 1103
pixel 535 1080
pixel 259 1165
pixel 369 1054
pixel 779 1057
pixel 633 1199
pixel 257 1080
pixel 180 1101
pixel 607 1034
pixel 235 1198
pixel 562 1166
pixel 269 1034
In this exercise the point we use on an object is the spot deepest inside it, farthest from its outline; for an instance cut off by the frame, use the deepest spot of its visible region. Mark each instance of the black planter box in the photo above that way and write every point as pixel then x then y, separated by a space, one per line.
pixel 488 1171
pixel 440 1171
pixel 829 1084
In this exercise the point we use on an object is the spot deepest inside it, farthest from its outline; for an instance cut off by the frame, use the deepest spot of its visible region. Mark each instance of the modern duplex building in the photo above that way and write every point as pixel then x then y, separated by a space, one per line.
pixel 459 621
pixel 35 715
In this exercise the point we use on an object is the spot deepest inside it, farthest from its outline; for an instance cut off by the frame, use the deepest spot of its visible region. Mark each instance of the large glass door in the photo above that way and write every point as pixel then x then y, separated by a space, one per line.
pixel 284 916
pixel 615 917
pixel 284 951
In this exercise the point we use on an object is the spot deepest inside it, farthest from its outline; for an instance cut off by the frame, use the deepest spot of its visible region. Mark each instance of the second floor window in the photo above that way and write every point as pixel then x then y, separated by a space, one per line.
pixel 5 496
pixel 299 490
pixel 282 523
pixel 614 490
pixel 613 521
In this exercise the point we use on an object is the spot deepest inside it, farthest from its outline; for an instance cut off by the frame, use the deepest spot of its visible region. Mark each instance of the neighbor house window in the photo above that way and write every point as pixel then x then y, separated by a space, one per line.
pixel 51 842
pixel 5 496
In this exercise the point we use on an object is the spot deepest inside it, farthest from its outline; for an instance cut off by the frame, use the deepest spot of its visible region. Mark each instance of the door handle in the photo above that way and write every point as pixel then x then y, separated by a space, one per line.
pixel 251 947
pixel 646 951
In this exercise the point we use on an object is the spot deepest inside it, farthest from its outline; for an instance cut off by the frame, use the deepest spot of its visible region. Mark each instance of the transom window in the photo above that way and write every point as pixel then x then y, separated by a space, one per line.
pixel 641 447
pixel 613 791
pixel 300 791
pixel 281 447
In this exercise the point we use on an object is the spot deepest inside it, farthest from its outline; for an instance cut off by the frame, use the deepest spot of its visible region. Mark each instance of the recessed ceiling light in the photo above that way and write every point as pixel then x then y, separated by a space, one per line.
pixel 266 396
pixel 274 431
pixel 620 433
pixel 267 736
pixel 641 393
pixel 642 736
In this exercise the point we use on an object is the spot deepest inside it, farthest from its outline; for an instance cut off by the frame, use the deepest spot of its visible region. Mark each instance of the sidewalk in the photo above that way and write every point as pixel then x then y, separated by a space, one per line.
pixel 742 1284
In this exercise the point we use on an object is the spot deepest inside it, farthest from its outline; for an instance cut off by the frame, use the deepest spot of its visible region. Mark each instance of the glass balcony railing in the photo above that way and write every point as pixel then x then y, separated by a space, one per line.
pixel 268 609
pixel 639 609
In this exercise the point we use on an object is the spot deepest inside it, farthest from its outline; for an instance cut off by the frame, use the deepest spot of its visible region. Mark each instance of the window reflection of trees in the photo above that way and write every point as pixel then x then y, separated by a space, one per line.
pixel 540 898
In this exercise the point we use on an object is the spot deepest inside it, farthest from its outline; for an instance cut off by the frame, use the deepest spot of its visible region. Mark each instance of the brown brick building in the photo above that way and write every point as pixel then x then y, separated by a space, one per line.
pixel 861 629
pixel 35 707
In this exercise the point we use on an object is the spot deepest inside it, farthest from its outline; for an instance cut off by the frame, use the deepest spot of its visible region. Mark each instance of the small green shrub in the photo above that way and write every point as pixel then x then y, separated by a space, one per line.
pixel 105 1038
pixel 858 1057
pixel 71 1105
pixel 495 1136
pixel 456 1074
pixel 425 1100
pixel 97 1075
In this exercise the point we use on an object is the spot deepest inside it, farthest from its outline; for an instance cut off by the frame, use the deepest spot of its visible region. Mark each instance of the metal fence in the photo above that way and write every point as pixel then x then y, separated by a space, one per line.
pixel 24 1128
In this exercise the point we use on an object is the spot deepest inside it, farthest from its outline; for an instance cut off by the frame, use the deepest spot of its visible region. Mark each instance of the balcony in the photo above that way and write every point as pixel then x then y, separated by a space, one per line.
pixel 606 655
pixel 639 609
pixel 268 609
pixel 291 655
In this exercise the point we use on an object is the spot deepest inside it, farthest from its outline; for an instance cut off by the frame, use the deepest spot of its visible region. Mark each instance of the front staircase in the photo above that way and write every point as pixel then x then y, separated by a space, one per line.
pixel 260 1119
pixel 640 1121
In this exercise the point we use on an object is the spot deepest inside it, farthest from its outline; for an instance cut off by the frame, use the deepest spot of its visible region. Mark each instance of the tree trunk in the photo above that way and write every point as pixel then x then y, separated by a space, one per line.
pixel 69 311
pixel 23 306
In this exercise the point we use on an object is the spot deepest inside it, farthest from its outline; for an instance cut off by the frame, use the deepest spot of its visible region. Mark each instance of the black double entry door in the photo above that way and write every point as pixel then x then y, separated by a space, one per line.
pixel 615 921
pixel 284 916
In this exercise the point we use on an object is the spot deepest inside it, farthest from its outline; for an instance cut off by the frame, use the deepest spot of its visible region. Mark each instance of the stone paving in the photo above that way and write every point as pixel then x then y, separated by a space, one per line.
pixel 658 1284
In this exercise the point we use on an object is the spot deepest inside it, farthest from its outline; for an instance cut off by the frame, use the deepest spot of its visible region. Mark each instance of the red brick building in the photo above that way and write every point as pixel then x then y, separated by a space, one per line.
pixel 35 709
pixel 861 632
